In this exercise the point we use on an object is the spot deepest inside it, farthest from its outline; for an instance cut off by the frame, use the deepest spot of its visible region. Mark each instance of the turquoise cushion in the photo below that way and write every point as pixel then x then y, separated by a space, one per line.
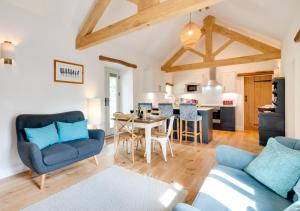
pixel 43 137
pixel 72 131
pixel 294 207
pixel 277 167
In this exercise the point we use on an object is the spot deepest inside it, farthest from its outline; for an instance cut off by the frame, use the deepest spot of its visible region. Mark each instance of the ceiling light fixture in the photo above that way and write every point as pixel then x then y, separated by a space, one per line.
pixel 190 34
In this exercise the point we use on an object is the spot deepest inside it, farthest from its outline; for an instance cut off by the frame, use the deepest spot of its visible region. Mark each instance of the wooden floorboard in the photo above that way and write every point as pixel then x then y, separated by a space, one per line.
pixel 189 168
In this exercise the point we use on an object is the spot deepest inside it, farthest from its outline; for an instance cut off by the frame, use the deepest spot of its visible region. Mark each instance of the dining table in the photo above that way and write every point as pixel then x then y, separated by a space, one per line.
pixel 146 123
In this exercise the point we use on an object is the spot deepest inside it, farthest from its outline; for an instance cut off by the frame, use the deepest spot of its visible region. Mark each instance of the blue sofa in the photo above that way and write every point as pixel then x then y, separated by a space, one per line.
pixel 228 187
pixel 58 155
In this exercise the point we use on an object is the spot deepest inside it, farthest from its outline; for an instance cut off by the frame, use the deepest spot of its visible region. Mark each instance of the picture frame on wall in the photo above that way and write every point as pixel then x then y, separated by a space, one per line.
pixel 68 72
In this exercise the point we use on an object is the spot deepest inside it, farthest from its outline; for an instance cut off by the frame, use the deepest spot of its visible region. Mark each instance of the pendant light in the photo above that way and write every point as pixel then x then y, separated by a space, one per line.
pixel 190 34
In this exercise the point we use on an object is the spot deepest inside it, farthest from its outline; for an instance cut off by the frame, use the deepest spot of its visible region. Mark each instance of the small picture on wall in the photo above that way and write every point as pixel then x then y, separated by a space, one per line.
pixel 67 72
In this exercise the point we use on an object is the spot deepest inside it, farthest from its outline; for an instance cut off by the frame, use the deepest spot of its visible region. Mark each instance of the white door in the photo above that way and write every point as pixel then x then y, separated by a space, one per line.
pixel 112 99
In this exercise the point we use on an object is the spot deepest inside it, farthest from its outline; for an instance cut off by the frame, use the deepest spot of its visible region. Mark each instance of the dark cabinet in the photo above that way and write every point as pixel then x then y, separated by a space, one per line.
pixel 227 119
pixel 272 124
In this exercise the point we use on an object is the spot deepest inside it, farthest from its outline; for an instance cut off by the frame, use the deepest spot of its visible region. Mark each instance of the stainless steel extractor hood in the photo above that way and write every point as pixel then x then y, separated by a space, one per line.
pixel 213 78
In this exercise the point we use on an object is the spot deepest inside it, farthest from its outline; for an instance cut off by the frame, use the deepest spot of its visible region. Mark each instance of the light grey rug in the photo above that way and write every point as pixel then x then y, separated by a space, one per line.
pixel 114 189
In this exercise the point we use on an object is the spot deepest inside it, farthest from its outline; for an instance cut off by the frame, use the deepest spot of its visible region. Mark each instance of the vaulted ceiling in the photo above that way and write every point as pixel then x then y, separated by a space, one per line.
pixel 267 20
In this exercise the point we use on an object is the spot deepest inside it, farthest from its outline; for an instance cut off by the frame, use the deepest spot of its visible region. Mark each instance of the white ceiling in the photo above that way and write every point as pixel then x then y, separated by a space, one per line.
pixel 267 20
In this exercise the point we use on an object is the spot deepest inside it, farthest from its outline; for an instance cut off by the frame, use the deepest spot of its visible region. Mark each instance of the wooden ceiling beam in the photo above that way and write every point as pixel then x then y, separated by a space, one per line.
pixel 175 57
pixel 117 61
pixel 224 62
pixel 258 45
pixel 145 4
pixel 196 52
pixel 222 48
pixel 93 17
pixel 152 15
pixel 258 73
pixel 297 37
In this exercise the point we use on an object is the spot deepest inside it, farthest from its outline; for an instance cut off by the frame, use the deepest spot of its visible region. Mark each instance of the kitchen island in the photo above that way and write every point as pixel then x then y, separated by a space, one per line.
pixel 206 126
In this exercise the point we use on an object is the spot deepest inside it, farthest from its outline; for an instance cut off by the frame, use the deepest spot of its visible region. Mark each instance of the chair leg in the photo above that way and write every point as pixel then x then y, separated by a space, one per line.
pixel 195 132
pixel 132 151
pixel 186 130
pixel 172 135
pixel 164 149
pixel 96 160
pixel 177 129
pixel 171 149
pixel 180 132
pixel 43 178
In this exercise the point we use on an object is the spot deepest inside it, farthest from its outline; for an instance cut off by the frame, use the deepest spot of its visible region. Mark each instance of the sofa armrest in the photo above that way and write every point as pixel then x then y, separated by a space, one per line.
pixel 97 134
pixel 31 156
pixel 233 157
pixel 184 207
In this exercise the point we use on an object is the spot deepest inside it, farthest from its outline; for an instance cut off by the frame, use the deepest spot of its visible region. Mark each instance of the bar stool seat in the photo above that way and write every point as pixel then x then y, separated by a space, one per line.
pixel 189 113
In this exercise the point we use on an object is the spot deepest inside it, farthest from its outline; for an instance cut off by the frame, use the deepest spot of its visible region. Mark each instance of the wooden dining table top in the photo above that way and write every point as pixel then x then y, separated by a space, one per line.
pixel 146 120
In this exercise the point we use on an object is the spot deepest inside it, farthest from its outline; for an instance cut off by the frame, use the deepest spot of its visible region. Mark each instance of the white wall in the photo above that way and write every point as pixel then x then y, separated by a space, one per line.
pixel 43 32
pixel 291 71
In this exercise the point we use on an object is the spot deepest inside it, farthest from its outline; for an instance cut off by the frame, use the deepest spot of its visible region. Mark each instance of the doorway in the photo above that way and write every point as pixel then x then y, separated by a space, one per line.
pixel 112 99
pixel 257 93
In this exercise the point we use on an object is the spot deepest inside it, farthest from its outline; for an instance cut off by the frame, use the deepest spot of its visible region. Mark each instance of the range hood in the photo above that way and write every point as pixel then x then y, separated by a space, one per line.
pixel 212 81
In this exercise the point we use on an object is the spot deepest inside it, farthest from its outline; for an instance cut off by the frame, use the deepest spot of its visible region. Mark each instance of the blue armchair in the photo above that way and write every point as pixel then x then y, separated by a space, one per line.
pixel 228 187
pixel 58 155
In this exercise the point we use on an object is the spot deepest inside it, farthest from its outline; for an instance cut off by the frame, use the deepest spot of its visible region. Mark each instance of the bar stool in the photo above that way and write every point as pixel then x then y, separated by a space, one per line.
pixel 166 109
pixel 188 113
pixel 146 106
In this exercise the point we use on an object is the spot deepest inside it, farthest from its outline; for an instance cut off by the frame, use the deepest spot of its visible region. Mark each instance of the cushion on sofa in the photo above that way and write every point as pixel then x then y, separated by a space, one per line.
pixel 58 153
pixel 227 188
pixel 277 167
pixel 85 146
pixel 43 137
pixel 72 131
pixel 294 207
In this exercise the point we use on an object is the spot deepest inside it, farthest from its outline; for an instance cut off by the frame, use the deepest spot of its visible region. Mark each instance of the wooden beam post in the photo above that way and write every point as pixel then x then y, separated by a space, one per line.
pixel 94 16
pixel 166 10
pixel 209 22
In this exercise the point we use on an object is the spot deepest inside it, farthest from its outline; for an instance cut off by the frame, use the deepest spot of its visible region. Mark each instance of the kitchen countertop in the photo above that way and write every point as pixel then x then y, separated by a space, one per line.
pixel 204 108
pixel 217 105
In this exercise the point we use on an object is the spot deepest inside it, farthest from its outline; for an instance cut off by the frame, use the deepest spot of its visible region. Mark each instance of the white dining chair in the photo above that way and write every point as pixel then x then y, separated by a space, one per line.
pixel 164 139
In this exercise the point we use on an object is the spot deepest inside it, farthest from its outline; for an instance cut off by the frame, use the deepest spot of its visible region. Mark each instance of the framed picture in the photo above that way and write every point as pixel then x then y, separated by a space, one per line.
pixel 68 72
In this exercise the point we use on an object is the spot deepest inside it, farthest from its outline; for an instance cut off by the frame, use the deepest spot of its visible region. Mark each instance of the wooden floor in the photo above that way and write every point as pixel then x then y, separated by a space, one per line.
pixel 189 168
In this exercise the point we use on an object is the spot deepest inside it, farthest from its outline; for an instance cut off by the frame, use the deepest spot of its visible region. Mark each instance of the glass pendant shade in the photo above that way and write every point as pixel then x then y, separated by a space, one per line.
pixel 190 35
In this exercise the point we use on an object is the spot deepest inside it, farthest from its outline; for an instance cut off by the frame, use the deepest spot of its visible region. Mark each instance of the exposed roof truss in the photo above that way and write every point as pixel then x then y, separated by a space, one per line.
pixel 267 52
pixel 149 12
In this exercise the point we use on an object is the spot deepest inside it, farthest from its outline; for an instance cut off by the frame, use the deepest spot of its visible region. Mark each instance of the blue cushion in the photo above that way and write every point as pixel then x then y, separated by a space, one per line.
pixel 294 207
pixel 59 153
pixel 72 131
pixel 277 167
pixel 43 137
pixel 227 188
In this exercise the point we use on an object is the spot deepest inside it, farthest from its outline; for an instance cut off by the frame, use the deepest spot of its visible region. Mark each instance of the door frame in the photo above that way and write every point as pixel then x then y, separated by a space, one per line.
pixel 109 70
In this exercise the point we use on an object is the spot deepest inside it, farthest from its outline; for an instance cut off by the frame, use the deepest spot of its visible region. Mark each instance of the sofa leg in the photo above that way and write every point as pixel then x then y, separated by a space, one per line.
pixel 30 172
pixel 43 178
pixel 96 160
